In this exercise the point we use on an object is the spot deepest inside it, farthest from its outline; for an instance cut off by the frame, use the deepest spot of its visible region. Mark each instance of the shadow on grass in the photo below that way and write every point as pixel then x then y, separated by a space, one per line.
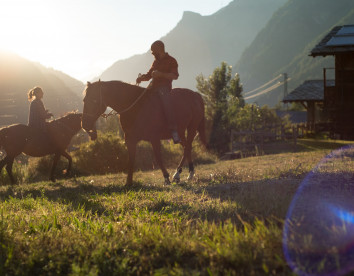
pixel 225 200
pixel 217 203
pixel 303 145
pixel 77 193
pixel 260 199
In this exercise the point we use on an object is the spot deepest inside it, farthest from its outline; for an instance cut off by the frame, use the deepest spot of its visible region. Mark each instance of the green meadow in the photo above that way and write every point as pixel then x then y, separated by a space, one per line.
pixel 227 221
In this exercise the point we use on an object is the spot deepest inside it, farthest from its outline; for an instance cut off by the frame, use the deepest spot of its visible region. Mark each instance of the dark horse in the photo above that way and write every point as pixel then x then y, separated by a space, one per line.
pixel 142 118
pixel 19 138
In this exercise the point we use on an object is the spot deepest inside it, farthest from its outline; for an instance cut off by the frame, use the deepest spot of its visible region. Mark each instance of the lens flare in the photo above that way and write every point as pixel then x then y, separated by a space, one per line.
pixel 318 235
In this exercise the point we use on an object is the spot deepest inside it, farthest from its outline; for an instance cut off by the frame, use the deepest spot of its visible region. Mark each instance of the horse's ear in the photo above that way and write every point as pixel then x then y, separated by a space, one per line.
pixel 99 80
pixel 88 83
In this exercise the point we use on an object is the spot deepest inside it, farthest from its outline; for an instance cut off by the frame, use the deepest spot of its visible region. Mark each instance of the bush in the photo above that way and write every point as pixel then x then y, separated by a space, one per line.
pixel 18 171
pixel 108 154
pixel 38 169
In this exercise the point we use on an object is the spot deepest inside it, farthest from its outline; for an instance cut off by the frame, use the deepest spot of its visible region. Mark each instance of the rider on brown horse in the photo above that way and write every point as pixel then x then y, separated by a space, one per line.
pixel 162 72
pixel 37 113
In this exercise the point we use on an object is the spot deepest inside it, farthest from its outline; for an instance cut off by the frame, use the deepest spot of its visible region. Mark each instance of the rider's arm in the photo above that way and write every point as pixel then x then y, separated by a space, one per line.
pixel 170 76
pixel 43 113
pixel 147 76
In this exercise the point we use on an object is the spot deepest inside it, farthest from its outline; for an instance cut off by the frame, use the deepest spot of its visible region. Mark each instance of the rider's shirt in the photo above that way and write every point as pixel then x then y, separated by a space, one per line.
pixel 167 64
pixel 37 114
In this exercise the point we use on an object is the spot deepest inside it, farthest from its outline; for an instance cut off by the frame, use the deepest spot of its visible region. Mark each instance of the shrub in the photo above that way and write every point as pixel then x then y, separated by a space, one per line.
pixel 108 154
pixel 18 171
pixel 38 169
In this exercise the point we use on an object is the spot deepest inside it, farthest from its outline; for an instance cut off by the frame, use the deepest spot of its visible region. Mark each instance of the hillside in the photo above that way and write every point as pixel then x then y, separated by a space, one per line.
pixel 200 43
pixel 284 44
pixel 17 75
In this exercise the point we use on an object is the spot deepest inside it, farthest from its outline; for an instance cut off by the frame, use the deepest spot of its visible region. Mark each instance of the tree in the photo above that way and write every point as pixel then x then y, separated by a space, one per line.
pixel 223 98
pixel 252 117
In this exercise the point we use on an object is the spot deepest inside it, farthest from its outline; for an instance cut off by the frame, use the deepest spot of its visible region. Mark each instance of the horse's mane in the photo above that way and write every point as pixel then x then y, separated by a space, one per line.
pixel 125 86
pixel 65 116
pixel 122 83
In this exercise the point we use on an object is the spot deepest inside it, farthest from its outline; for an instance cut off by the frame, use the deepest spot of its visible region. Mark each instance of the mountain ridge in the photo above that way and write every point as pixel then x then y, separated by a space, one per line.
pixel 198 44
pixel 18 75
pixel 283 46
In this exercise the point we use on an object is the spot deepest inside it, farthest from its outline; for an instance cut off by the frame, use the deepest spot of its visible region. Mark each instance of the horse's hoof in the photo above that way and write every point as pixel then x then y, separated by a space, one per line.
pixel 167 182
pixel 128 184
pixel 176 177
pixel 190 176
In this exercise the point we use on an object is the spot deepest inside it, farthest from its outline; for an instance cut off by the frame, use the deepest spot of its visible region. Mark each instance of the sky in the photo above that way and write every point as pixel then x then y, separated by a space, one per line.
pixel 84 37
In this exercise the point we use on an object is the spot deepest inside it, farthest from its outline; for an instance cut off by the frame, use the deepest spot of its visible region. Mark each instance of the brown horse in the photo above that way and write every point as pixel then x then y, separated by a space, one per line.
pixel 142 118
pixel 19 138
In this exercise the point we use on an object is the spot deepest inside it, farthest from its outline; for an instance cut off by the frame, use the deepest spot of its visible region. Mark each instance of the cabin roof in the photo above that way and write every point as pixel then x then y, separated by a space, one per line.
pixel 339 40
pixel 310 90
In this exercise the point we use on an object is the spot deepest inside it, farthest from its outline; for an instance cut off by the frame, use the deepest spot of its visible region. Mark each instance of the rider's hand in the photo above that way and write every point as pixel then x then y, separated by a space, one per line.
pixel 138 80
pixel 157 74
pixel 49 114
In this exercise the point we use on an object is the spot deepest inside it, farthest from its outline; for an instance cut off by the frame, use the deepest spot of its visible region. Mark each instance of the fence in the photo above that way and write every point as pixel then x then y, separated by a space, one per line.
pixel 251 142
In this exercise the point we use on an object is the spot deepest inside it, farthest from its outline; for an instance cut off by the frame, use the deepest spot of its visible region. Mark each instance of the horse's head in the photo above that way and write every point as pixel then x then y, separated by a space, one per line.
pixel 94 107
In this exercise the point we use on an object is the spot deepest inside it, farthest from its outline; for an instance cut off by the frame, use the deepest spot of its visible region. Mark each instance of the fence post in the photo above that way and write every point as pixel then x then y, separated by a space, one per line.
pixel 232 141
pixel 295 136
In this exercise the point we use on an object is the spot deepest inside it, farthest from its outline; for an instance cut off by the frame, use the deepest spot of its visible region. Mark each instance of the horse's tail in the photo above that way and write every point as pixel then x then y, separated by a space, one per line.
pixel 201 132
pixel 2 136
pixel 201 127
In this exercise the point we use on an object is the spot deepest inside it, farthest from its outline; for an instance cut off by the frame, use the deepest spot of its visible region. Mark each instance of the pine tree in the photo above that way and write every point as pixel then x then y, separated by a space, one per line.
pixel 223 98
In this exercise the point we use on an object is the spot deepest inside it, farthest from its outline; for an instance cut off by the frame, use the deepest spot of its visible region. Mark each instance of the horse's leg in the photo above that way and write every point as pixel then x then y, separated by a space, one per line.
pixel 54 165
pixel 156 146
pixel 131 145
pixel 3 163
pixel 10 162
pixel 67 156
pixel 188 152
pixel 177 175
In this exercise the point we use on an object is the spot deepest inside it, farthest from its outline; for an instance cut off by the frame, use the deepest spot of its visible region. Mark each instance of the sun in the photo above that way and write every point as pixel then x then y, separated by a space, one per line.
pixel 24 25
pixel 35 29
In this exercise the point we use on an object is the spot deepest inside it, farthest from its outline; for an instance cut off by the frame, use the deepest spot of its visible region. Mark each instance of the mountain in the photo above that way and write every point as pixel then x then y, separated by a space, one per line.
pixel 284 45
pixel 17 75
pixel 200 43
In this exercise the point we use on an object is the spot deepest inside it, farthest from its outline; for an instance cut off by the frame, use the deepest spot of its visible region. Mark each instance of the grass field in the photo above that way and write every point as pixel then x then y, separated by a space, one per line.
pixel 227 221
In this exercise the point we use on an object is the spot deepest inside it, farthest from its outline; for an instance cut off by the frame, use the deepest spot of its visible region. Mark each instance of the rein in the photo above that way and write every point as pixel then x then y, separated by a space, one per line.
pixel 112 112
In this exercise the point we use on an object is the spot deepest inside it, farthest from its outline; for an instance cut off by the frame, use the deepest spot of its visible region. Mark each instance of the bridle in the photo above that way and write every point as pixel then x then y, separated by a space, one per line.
pixel 101 104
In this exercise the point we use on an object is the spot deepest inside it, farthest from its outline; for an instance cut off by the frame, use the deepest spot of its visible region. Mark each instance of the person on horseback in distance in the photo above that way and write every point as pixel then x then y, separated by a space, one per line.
pixel 163 71
pixel 37 112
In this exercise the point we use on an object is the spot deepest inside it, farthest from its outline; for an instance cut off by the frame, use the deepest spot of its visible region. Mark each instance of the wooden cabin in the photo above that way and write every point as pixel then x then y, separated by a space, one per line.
pixel 310 94
pixel 339 96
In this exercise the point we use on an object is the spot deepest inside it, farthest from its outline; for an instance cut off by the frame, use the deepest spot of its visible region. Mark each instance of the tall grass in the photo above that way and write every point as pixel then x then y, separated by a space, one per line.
pixel 227 221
